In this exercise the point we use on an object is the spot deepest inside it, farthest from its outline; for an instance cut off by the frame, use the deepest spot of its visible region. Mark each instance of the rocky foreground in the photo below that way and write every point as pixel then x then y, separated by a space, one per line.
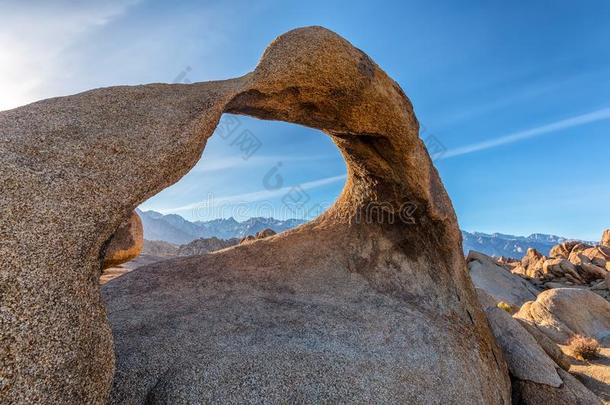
pixel 551 313
pixel 537 339
pixel 153 251
pixel 368 303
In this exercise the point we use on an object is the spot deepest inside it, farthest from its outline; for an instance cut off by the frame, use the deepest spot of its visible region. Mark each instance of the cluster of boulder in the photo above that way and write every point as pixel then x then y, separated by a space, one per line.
pixel 569 264
pixel 265 233
pixel 534 318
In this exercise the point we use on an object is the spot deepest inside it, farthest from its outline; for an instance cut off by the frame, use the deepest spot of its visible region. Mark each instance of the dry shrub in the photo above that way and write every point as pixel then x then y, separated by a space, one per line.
pixel 584 347
pixel 511 309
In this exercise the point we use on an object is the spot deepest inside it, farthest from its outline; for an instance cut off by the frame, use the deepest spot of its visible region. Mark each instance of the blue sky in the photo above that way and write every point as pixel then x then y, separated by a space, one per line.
pixel 517 92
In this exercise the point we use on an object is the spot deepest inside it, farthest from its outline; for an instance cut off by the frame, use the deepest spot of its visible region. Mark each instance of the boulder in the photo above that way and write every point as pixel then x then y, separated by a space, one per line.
pixel 598 255
pixel 531 264
pixel 561 268
pixel 526 359
pixel 564 312
pixel 530 365
pixel 265 233
pixel 126 243
pixel 508 263
pixel 587 269
pixel 579 247
pixel 360 305
pixel 532 257
pixel 563 249
pixel 496 281
pixel 572 392
pixel 551 348
pixel 562 283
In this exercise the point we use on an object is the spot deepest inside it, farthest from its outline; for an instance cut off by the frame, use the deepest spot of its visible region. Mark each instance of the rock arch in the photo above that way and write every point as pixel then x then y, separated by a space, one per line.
pixel 75 167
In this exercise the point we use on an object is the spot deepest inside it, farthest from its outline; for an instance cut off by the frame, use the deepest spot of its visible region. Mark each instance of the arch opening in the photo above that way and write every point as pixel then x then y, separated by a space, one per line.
pixel 253 176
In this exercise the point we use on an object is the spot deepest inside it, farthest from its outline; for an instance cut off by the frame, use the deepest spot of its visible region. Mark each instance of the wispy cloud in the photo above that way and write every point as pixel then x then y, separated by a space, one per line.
pixel 33 38
pixel 215 164
pixel 260 195
pixel 578 120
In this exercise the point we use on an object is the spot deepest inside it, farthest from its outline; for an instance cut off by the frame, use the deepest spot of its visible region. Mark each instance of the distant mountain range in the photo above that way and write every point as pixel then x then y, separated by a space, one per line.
pixel 175 229
pixel 498 244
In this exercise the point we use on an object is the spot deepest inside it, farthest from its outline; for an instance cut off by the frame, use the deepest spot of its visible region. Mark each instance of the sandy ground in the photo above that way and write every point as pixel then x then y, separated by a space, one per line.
pixel 594 374
pixel 142 260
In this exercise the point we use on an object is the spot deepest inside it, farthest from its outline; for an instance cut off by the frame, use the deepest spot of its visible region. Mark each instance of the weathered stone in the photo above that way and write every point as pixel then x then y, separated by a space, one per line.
pixel 532 365
pixel 572 392
pixel 531 264
pixel 579 247
pixel 126 243
pixel 352 294
pixel 564 312
pixel 561 268
pixel 508 263
pixel 563 249
pixel 586 268
pixel 526 359
pixel 532 256
pixel 598 255
pixel 498 282
pixel 551 348
pixel 265 233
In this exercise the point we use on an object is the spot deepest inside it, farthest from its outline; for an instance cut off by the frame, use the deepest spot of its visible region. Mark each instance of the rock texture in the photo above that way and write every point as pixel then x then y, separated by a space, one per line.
pixel 572 392
pixel 498 282
pixel 363 304
pixel 563 249
pixel 563 312
pixel 531 264
pixel 526 359
pixel 549 346
pixel 536 376
pixel 126 243
pixel 572 264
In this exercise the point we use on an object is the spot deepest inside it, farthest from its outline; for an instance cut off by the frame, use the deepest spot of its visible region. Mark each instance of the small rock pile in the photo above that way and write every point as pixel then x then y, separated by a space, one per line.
pixel 202 246
pixel 570 264
pixel 265 233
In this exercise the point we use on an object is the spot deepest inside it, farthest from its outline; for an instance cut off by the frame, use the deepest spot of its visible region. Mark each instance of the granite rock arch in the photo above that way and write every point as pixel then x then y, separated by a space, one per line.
pixel 75 167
